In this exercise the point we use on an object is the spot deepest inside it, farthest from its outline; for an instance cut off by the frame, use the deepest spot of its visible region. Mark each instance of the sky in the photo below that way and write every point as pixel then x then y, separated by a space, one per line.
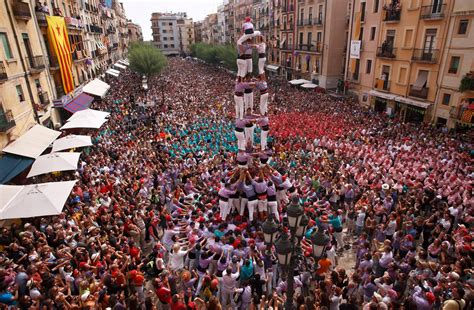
pixel 139 11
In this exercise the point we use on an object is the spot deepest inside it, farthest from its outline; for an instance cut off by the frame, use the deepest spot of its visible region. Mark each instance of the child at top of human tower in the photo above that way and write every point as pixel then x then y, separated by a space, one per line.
pixel 247 27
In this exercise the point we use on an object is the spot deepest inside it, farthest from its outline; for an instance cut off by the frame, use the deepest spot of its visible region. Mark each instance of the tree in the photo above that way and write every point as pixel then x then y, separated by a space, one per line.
pixel 225 55
pixel 146 59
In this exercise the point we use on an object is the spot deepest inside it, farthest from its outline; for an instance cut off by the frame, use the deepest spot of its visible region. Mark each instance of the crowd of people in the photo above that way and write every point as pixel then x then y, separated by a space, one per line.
pixel 143 228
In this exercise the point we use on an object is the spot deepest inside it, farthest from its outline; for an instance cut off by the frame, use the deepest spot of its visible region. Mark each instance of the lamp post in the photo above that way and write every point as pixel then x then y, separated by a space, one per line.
pixel 287 246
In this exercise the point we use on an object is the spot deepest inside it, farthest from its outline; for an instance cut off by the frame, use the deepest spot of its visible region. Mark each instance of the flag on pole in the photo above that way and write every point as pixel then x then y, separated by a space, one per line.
pixel 59 40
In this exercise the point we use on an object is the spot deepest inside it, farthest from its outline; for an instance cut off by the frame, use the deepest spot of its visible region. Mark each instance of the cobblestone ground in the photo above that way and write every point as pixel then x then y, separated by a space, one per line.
pixel 348 258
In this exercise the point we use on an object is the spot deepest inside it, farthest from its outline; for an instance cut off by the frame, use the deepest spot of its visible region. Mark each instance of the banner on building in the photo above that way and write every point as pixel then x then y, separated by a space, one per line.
pixel 59 41
pixel 355 49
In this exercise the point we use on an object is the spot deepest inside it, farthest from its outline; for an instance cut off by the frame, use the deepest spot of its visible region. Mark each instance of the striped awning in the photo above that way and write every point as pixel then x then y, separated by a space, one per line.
pixel 81 102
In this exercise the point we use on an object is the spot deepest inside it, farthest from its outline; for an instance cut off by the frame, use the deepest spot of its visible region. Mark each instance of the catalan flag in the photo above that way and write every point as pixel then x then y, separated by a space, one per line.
pixel 59 40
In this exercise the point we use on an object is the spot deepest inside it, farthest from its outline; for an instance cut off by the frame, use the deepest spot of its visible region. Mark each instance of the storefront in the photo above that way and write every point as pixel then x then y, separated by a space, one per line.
pixel 382 102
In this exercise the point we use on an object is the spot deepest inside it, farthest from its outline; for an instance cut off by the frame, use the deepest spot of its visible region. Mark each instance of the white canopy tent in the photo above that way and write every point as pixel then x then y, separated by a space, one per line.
pixel 42 199
pixel 60 161
pixel 33 143
pixel 120 66
pixel 96 87
pixel 70 142
pixel 84 123
pixel 112 72
pixel 309 85
pixel 88 114
pixel 124 62
pixel 299 82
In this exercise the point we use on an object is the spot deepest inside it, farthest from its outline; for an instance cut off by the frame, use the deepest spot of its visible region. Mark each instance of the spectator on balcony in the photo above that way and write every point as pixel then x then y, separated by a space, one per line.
pixel 57 12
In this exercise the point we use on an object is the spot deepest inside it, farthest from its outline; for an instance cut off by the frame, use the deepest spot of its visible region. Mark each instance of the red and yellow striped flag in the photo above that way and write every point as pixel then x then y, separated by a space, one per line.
pixel 59 40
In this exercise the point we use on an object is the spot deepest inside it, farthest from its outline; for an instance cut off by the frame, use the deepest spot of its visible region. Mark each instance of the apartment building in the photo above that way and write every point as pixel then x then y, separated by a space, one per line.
pixel 25 88
pixel 197 31
pixel 210 33
pixel 454 105
pixel 172 33
pixel 135 33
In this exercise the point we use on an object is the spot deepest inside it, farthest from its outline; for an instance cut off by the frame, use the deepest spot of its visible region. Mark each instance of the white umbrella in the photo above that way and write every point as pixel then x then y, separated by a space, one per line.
pixel 299 82
pixel 88 114
pixel 309 85
pixel 71 141
pixel 42 199
pixel 61 161
pixel 84 123
pixel 120 66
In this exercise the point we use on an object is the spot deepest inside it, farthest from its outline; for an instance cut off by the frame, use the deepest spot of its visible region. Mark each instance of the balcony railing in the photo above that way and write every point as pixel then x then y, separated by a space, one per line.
pixel 94 29
pixel 433 11
pixel 44 99
pixel 73 23
pixel 287 27
pixel 392 13
pixel 3 72
pixel 36 63
pixel 381 84
pixel 21 10
pixel 386 52
pixel 419 93
pixel 310 47
pixel 41 18
pixel 424 55
pixel 53 63
pixel 286 47
pixel 6 120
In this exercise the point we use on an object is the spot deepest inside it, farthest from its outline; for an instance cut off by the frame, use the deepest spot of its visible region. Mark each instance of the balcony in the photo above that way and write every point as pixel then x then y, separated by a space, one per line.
pixel 285 47
pixel 36 64
pixel 41 18
pixel 392 14
pixel 386 52
pixel 418 93
pixel 43 98
pixel 433 11
pixel 73 23
pixel 21 10
pixel 310 47
pixel 381 84
pixel 53 63
pixel 3 73
pixel 6 120
pixel 467 82
pixel 422 55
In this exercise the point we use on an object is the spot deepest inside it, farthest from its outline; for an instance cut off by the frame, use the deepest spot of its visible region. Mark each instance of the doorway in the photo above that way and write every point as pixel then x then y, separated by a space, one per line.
pixel 29 53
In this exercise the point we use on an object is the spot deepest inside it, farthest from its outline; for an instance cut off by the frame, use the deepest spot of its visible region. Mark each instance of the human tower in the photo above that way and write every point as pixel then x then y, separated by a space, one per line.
pixel 253 187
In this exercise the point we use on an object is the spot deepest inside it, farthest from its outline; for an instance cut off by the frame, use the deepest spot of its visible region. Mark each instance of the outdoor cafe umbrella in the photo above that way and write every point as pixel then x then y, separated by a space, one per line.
pixel 61 161
pixel 70 142
pixel 44 199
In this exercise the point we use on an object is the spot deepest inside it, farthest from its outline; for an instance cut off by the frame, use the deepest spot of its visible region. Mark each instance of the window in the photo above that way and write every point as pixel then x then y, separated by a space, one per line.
pixel 19 92
pixel 430 40
pixel 402 75
pixel 164 30
pixel 6 45
pixel 165 38
pixel 376 6
pixel 372 33
pixel 408 38
pixel 172 45
pixel 463 23
pixel 171 24
pixel 368 66
pixel 172 38
pixel 454 64
pixel 361 33
pixel 362 11
pixel 446 99
pixel 163 24
pixel 165 46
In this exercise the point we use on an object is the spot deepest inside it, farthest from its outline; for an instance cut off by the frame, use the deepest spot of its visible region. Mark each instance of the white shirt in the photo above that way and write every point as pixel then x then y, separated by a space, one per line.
pixel 176 260
pixel 229 282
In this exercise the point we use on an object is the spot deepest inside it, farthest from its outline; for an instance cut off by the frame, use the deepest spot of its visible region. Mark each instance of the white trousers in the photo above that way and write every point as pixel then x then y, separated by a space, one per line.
pixel 240 135
pixel 241 67
pixel 263 103
pixel 263 139
pixel 251 205
pixel 249 65
pixel 248 100
pixel 239 107
pixel 249 134
pixel 262 205
pixel 273 209
pixel 224 209
pixel 261 65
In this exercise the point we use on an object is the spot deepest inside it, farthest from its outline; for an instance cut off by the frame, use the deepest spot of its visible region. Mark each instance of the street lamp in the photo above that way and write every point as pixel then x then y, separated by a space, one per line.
pixel 284 249
pixel 300 230
pixel 295 213
pixel 270 230
pixel 319 241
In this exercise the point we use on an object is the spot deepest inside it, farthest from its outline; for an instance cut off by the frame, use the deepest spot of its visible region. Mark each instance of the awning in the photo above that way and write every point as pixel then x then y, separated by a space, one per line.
pixel 112 73
pixel 413 102
pixel 61 161
pixel 81 123
pixel 33 143
pixel 96 87
pixel 86 119
pixel 81 102
pixel 42 199
pixel 309 85
pixel 420 80
pixel 299 82
pixel 71 141
pixel 382 95
pixel 273 67
pixel 124 62
pixel 11 166
pixel 88 114
pixel 120 66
